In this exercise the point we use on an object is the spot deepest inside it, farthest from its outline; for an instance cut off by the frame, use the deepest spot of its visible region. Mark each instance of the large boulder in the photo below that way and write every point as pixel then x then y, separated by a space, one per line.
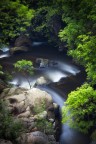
pixel 2 141
pixel 22 40
pixel 22 102
pixel 36 137
pixel 26 105
pixel 22 43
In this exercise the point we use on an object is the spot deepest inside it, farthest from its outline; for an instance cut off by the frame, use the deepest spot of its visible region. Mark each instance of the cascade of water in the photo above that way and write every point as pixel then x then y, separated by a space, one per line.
pixel 5 52
pixel 54 74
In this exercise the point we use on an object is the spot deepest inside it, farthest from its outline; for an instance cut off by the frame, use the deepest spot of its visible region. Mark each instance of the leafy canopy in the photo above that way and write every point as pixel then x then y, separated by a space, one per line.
pixel 80 33
pixel 25 67
pixel 79 110
pixel 15 17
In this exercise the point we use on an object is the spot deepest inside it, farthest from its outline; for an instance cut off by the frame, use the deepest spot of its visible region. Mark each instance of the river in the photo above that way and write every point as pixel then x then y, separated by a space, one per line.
pixel 65 75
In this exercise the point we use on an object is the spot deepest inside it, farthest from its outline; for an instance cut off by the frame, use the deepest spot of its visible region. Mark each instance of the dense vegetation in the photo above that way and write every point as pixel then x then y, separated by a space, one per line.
pixel 15 18
pixel 70 24
pixel 80 110
pixel 10 128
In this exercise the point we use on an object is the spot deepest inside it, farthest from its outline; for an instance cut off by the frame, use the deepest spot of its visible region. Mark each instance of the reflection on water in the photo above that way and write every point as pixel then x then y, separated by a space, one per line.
pixel 37 43
pixel 4 55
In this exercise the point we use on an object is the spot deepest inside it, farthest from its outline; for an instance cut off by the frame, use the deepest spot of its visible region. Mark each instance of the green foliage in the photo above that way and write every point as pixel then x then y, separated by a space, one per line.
pixel 8 76
pixel 1 72
pixel 70 32
pixel 25 67
pixel 93 136
pixel 42 123
pixel 44 126
pixel 79 110
pixel 46 16
pixel 14 19
pixel 40 108
pixel 9 127
pixel 79 33
pixel 85 53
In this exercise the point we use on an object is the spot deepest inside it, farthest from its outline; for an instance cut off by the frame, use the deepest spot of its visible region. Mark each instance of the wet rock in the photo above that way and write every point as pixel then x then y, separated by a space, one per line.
pixel 18 49
pixel 23 40
pixel 42 62
pixel 22 43
pixel 41 81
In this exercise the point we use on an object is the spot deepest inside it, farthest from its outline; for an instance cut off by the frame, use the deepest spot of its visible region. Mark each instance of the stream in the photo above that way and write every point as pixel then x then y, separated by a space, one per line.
pixel 65 71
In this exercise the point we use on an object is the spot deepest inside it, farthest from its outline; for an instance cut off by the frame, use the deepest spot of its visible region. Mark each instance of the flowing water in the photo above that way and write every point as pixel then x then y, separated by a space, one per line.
pixel 64 70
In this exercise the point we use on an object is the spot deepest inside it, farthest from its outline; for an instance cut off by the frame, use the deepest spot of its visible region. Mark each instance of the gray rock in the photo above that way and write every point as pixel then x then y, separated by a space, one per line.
pixel 18 49
pixel 2 141
pixel 23 40
pixel 41 81
pixel 36 137
pixel 22 43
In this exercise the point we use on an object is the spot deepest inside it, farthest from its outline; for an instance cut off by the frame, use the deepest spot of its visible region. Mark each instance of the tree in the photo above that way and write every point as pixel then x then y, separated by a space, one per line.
pixel 79 111
pixel 85 54
pixel 26 68
pixel 80 33
pixel 15 18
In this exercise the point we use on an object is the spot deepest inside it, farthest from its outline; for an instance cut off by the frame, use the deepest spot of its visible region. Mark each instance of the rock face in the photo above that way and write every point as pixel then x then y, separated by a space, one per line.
pixel 33 138
pixel 5 142
pixel 23 103
pixel 22 43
